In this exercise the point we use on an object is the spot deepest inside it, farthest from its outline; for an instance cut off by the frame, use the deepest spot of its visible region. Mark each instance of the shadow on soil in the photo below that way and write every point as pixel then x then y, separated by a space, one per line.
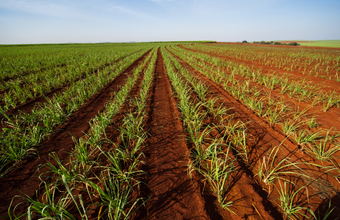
pixel 328 205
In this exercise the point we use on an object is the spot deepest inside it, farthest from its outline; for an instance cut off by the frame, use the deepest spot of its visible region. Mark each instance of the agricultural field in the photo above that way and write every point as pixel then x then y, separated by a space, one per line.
pixel 319 43
pixel 177 130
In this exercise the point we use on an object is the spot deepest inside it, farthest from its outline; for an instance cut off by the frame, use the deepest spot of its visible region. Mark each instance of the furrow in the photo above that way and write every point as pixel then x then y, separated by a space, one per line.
pixel 173 196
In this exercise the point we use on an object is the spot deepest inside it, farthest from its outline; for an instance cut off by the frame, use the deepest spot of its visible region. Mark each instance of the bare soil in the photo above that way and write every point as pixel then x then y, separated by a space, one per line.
pixel 173 194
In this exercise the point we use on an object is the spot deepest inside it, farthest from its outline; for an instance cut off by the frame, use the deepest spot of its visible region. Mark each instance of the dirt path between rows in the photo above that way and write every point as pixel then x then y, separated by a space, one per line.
pixel 25 179
pixel 173 195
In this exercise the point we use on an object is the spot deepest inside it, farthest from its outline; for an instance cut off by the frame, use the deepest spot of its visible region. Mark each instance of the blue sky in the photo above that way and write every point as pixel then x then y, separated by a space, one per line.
pixel 58 21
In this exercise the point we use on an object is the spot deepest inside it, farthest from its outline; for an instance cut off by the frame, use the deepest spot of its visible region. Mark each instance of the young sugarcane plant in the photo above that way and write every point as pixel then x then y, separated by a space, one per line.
pixel 330 100
pixel 312 123
pixel 82 153
pixel 306 137
pixel 325 215
pixel 51 206
pixel 239 139
pixel 118 166
pixel 217 170
pixel 271 169
pixel 324 150
pixel 289 203
pixel 275 115
pixel 300 114
pixel 289 126
pixel 55 202
pixel 197 135
pixel 114 197
pixel 201 89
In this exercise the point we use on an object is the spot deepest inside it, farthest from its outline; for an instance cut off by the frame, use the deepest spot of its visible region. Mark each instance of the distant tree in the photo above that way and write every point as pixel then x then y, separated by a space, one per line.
pixel 293 44
pixel 277 43
pixel 244 41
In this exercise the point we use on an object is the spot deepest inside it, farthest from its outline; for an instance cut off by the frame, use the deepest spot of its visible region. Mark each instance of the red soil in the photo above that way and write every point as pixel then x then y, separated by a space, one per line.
pixel 267 137
pixel 24 179
pixel 173 194
pixel 245 188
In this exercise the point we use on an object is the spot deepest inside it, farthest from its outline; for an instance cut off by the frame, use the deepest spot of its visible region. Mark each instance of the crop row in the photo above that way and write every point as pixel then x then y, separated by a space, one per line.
pixel 28 87
pixel 270 171
pixel 299 89
pixel 98 180
pixel 26 131
pixel 217 141
pixel 294 122
pixel 263 87
pixel 251 144
pixel 319 63
pixel 18 61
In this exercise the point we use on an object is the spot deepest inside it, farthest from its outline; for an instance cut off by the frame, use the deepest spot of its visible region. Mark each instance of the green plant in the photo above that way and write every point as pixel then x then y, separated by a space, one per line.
pixel 300 114
pixel 232 127
pixel 275 115
pixel 51 205
pixel 201 89
pixel 271 169
pixel 239 139
pixel 210 104
pixel 304 137
pixel 325 216
pixel 132 126
pixel 312 123
pixel 330 100
pixel 290 126
pixel 82 153
pixel 288 201
pixel 119 167
pixel 217 170
pixel 197 135
pixel 114 197
pixel 324 149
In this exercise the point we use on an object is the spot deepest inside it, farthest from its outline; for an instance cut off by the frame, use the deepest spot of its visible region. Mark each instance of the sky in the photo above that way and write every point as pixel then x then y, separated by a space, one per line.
pixel 91 21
